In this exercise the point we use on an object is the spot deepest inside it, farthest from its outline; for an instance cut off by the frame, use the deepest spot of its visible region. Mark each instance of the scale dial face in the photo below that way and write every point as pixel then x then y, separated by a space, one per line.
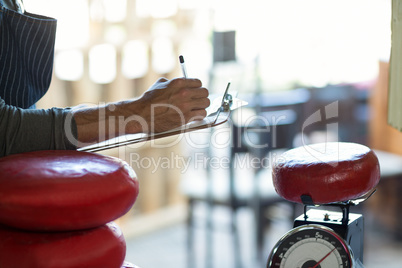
pixel 311 246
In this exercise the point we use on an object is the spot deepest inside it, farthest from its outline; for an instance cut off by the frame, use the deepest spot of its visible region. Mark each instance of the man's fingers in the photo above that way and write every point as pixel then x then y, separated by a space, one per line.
pixel 196 115
pixel 201 92
pixel 192 82
pixel 201 103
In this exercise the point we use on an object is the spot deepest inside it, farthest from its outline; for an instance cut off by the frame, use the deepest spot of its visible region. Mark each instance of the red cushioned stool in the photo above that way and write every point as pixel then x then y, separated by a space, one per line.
pixel 56 209
pixel 335 175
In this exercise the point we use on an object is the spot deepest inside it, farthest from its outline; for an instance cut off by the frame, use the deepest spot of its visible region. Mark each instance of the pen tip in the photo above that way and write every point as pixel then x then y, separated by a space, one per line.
pixel 181 59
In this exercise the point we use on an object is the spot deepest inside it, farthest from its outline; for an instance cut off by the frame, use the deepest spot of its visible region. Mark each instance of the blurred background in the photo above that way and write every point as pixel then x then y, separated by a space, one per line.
pixel 312 71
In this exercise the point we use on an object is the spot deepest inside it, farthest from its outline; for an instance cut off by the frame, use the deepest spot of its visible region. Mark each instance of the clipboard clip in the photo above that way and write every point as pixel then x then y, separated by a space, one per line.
pixel 227 99
pixel 228 103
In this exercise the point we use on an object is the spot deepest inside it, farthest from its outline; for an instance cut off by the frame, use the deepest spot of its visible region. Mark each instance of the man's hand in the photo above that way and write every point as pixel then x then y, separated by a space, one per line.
pixel 171 103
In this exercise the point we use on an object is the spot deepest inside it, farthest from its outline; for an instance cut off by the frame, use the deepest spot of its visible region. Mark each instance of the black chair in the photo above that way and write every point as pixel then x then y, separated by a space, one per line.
pixel 351 113
pixel 269 129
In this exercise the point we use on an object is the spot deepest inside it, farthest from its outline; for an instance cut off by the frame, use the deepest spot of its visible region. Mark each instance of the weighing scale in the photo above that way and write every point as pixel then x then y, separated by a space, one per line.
pixel 323 238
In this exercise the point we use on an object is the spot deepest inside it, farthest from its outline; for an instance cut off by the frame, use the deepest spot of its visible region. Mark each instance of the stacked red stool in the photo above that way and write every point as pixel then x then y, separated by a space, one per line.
pixel 57 209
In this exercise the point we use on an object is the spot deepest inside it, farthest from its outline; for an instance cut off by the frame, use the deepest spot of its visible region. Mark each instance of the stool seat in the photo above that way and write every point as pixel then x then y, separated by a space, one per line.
pixel 103 246
pixel 326 172
pixel 64 190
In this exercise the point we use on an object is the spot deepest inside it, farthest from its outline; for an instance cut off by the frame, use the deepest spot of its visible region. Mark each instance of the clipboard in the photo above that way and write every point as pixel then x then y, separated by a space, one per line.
pixel 221 115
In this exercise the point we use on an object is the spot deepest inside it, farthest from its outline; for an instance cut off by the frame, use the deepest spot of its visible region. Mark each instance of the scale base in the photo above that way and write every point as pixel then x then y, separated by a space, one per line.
pixel 352 231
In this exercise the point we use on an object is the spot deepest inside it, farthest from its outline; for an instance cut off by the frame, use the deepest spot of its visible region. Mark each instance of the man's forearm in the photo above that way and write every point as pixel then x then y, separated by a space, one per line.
pixel 166 105
pixel 96 124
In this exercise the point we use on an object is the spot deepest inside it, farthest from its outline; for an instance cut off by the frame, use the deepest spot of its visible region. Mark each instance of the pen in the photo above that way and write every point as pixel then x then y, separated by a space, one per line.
pixel 183 66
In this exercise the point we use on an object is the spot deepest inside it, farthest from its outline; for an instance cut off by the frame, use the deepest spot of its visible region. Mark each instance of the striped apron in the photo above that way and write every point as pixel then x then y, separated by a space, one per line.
pixel 26 56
